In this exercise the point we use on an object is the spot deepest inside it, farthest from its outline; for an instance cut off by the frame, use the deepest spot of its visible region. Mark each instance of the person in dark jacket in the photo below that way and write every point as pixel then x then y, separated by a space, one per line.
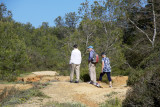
pixel 92 66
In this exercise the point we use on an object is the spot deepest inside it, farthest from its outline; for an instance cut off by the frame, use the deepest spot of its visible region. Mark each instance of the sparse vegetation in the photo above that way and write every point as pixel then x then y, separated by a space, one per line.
pixel 111 94
pixel 55 104
pixel 13 96
pixel 112 103
pixel 39 85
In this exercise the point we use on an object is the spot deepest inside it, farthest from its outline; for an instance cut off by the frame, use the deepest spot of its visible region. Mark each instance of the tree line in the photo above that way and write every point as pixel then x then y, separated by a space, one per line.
pixel 126 30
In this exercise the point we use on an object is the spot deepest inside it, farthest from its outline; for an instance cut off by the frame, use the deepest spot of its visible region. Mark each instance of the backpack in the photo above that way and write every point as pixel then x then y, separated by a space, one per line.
pixel 95 58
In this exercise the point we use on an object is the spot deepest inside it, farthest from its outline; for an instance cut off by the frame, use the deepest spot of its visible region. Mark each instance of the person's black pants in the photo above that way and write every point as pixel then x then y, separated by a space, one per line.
pixel 108 75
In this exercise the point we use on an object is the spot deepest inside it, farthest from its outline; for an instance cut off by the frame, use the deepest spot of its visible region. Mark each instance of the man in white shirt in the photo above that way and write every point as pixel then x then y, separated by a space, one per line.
pixel 75 62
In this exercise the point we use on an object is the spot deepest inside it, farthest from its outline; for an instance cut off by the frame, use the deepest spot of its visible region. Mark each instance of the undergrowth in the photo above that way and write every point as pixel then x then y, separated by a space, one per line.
pixel 14 96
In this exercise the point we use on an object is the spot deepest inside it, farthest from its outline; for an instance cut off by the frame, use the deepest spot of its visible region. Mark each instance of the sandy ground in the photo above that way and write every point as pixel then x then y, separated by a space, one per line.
pixel 62 91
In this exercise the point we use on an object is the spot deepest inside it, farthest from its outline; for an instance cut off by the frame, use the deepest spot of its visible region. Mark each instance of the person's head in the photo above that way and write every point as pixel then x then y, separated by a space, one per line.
pixel 103 54
pixel 75 46
pixel 90 48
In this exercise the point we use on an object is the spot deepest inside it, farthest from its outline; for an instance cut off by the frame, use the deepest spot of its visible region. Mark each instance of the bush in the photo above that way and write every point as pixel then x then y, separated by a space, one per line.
pixel 152 60
pixel 122 72
pixel 134 76
pixel 145 93
pixel 14 96
pixel 112 103
pixel 55 104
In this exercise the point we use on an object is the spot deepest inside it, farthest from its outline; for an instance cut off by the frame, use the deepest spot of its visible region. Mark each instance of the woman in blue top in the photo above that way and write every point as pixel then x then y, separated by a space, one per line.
pixel 106 68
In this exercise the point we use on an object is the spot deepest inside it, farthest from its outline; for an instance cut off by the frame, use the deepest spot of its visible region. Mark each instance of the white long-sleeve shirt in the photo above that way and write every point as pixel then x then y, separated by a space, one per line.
pixel 75 57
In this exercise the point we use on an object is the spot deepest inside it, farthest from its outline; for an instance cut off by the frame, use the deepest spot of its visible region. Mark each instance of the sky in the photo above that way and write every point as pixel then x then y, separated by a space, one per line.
pixel 38 11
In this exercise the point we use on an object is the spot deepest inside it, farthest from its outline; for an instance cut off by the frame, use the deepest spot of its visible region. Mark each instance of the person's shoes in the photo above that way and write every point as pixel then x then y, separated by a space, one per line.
pixel 90 82
pixel 71 81
pixel 76 81
pixel 98 85
pixel 110 86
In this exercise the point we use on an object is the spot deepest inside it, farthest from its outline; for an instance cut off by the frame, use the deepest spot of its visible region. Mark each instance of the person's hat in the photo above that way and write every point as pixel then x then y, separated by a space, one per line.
pixel 103 53
pixel 90 47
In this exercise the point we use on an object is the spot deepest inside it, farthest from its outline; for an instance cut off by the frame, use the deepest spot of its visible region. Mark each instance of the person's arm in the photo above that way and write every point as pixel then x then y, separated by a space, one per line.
pixel 102 65
pixel 80 57
pixel 71 58
pixel 90 56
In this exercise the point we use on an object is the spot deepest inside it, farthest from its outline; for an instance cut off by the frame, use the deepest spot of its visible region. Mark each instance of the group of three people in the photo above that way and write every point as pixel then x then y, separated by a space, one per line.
pixel 75 61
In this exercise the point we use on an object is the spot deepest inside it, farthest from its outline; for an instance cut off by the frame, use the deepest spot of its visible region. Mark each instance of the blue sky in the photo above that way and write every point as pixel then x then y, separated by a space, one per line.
pixel 38 11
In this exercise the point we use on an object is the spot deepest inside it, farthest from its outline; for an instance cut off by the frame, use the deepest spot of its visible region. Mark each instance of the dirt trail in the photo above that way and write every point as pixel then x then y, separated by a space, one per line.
pixel 62 91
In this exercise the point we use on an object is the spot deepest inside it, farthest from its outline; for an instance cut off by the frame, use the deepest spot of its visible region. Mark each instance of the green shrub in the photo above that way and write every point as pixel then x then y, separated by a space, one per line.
pixel 55 104
pixel 84 74
pixel 145 93
pixel 134 76
pixel 17 97
pixel 152 60
pixel 112 103
pixel 64 72
pixel 122 72
pixel 111 94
